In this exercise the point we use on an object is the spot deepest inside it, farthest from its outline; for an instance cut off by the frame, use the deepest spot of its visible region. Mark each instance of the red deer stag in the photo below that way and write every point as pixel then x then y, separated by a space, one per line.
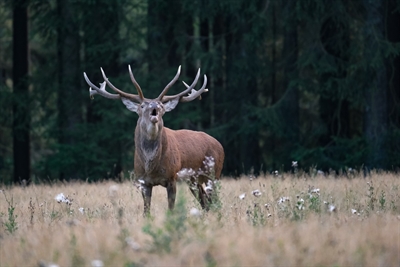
pixel 160 153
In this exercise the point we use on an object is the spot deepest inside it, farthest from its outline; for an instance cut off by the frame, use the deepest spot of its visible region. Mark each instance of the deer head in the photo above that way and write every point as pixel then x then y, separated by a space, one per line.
pixel 150 111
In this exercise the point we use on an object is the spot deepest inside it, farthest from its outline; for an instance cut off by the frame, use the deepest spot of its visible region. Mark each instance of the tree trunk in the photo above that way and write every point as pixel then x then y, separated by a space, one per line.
pixel 375 114
pixel 290 107
pixel 21 112
pixel 69 93
pixel 393 66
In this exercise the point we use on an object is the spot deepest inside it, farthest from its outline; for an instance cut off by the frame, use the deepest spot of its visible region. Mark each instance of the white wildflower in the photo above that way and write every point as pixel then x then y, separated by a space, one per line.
pixel 185 173
pixel 332 208
pixel 209 187
pixel 97 263
pixel 269 215
pixel 195 212
pixel 50 264
pixel 82 210
pixel 294 164
pixel 353 211
pixel 315 191
pixel 209 162
pixel 276 172
pixel 300 203
pixel 60 198
pixel 283 200
pixel 256 193
pixel 132 244
pixel 242 196
pixel 113 190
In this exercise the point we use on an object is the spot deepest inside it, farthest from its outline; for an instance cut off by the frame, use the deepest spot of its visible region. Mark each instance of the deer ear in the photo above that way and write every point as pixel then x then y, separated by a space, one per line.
pixel 170 105
pixel 132 106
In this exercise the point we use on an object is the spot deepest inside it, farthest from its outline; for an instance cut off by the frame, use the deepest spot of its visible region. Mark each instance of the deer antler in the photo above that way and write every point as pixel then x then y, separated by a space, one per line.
pixel 161 96
pixel 138 98
pixel 195 94
pixel 188 90
pixel 136 84
pixel 101 91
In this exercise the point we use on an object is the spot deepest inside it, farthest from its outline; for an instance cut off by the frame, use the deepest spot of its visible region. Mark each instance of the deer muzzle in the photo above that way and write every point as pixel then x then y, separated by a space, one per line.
pixel 153 112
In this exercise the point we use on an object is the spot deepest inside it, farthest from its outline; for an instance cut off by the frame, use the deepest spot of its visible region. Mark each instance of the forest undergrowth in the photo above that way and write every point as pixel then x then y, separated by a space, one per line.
pixel 279 219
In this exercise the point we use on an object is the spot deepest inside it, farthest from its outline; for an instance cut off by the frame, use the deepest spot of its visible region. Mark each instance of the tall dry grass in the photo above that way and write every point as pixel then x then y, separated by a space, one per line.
pixel 349 221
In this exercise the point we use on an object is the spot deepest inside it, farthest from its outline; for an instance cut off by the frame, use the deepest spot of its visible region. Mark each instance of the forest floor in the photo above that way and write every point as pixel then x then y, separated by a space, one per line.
pixel 293 220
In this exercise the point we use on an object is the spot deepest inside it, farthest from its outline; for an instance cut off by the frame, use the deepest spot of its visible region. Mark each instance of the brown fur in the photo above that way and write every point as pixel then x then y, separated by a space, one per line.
pixel 160 153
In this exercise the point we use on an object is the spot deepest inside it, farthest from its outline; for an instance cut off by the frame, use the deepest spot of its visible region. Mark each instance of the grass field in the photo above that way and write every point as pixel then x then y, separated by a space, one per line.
pixel 298 220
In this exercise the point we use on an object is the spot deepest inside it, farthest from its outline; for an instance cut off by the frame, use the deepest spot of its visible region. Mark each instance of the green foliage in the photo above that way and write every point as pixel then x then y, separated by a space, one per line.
pixel 256 216
pixel 76 258
pixel 288 81
pixel 10 224
pixel 172 230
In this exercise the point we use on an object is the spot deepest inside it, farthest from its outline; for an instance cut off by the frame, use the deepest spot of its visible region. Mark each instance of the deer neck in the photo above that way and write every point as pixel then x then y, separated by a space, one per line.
pixel 149 141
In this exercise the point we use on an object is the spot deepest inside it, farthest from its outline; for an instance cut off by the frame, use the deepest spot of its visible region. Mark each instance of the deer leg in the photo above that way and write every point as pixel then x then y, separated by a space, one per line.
pixel 146 193
pixel 203 198
pixel 171 192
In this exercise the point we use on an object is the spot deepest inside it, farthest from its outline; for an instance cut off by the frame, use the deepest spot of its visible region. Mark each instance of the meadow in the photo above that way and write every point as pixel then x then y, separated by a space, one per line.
pixel 290 219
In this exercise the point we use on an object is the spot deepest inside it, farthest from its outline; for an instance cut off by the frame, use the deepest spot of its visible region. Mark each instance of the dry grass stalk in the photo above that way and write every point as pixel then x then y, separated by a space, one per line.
pixel 102 223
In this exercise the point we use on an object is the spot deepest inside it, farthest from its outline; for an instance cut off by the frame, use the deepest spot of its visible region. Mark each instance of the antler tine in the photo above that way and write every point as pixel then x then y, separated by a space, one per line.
pixel 188 90
pixel 160 97
pixel 195 94
pixel 135 83
pixel 121 93
pixel 101 91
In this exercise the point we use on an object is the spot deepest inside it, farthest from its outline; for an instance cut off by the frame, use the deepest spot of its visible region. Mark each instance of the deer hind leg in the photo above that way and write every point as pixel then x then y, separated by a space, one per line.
pixel 171 192
pixel 204 198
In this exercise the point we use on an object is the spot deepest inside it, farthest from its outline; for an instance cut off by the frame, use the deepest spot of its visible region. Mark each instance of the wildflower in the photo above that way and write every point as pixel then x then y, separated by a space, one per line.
pixel 209 162
pixel 315 191
pixel 332 208
pixel 242 196
pixel 185 173
pixel 300 203
pixel 195 212
pixel 275 172
pixel 283 199
pixel 60 198
pixel 209 187
pixel 113 190
pixel 82 210
pixel 50 264
pixel 353 211
pixel 269 215
pixel 294 164
pixel 132 244
pixel 256 193
pixel 97 263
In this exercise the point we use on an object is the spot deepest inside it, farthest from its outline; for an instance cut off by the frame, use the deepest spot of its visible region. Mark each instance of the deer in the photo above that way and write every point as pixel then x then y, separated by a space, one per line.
pixel 160 152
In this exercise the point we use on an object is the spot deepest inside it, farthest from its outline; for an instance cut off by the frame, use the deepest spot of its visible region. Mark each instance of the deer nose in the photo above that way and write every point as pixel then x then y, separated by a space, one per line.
pixel 153 105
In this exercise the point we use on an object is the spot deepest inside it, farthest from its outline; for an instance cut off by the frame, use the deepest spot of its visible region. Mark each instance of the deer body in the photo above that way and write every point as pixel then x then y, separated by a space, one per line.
pixel 157 162
pixel 160 153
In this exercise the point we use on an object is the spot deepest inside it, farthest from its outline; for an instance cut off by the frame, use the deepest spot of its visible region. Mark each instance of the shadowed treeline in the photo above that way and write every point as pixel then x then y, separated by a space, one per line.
pixel 304 81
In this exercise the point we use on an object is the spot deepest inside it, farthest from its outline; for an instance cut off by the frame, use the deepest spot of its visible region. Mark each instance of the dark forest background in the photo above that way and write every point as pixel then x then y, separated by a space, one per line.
pixel 310 81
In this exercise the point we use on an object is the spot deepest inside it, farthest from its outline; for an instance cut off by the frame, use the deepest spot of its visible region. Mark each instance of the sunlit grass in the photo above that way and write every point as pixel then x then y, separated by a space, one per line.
pixel 289 219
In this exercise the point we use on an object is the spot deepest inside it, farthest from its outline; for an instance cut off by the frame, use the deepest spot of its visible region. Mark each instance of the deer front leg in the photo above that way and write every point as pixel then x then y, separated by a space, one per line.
pixel 171 192
pixel 146 193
